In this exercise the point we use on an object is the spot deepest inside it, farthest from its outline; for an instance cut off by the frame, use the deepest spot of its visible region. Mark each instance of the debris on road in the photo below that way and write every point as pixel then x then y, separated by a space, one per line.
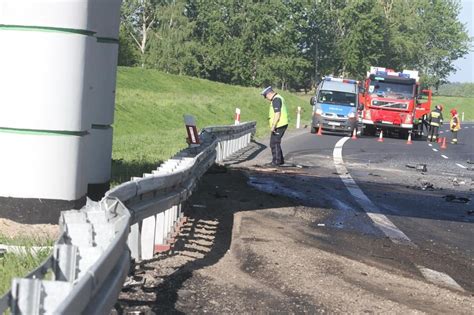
pixel 453 198
pixel 427 186
pixel 421 168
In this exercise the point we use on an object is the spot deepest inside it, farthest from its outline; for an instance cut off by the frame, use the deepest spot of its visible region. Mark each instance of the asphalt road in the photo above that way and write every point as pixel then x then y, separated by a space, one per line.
pixel 428 208
pixel 346 226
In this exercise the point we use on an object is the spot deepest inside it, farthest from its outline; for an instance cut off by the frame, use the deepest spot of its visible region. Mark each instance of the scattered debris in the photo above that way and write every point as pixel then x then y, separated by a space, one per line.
pixel 418 167
pixel 375 175
pixel 453 198
pixel 469 161
pixel 220 196
pixel 321 224
pixel 421 168
pixel 427 186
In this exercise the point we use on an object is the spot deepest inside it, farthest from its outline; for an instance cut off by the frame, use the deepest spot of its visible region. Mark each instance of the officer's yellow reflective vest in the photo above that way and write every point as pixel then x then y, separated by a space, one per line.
pixel 283 114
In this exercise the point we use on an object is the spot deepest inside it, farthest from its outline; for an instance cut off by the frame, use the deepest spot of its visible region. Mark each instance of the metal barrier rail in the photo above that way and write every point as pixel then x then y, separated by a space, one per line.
pixel 91 259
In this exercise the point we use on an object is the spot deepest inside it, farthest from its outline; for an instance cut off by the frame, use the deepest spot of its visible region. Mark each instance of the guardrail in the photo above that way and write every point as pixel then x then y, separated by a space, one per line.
pixel 91 259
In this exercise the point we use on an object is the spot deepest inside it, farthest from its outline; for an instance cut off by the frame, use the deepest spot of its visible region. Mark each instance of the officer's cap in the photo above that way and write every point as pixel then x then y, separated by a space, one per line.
pixel 266 91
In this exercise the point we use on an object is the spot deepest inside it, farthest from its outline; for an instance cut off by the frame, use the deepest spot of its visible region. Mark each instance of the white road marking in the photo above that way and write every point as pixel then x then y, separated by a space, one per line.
pixel 384 223
pixel 460 165
pixel 444 156
pixel 441 132
pixel 379 219
pixel 430 144
pixel 436 150
pixel 466 127
pixel 439 278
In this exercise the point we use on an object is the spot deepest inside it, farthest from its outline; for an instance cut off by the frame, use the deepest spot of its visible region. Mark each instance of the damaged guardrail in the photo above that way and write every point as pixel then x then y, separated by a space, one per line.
pixel 91 259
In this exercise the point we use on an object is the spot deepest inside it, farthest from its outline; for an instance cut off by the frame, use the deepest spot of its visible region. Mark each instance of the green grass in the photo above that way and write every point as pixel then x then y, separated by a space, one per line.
pixel 462 104
pixel 149 110
pixel 19 265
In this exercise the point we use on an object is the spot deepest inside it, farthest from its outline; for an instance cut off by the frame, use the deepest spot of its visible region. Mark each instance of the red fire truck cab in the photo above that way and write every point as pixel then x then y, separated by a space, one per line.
pixel 392 102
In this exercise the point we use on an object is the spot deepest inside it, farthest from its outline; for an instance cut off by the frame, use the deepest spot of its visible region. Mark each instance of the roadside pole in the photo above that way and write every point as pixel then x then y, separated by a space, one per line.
pixel 191 129
pixel 298 117
pixel 237 116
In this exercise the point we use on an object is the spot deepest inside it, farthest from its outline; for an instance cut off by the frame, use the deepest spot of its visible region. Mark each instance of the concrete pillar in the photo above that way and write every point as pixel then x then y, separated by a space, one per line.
pixel 50 81
pixel 105 21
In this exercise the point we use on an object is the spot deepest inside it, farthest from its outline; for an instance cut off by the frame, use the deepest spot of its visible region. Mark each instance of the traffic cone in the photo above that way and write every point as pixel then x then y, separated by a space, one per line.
pixel 439 140
pixel 443 146
pixel 320 131
pixel 354 134
pixel 380 136
pixel 409 139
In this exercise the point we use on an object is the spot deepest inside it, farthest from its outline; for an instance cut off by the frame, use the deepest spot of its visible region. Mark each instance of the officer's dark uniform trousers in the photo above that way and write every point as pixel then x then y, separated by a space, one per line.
pixel 275 145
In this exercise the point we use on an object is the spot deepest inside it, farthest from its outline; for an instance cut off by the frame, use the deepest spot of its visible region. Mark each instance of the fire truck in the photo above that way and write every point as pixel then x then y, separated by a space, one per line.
pixel 393 103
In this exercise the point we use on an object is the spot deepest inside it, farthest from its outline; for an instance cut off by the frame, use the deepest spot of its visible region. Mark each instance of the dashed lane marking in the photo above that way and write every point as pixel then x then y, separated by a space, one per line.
pixel 436 150
pixel 444 156
pixel 382 222
pixel 429 144
pixel 439 278
pixel 460 165
pixel 379 219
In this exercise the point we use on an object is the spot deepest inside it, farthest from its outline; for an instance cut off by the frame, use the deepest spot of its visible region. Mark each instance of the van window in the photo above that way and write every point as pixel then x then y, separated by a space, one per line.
pixel 335 97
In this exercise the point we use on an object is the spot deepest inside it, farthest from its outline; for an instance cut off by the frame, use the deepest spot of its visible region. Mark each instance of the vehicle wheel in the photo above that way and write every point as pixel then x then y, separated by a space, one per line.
pixel 369 131
pixel 313 129
pixel 403 134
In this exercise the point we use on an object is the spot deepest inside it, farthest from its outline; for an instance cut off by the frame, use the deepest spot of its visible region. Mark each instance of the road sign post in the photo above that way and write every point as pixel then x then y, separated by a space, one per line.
pixel 191 129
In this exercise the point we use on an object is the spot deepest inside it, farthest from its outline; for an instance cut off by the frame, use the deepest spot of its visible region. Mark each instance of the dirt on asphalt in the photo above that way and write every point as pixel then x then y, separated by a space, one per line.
pixel 246 251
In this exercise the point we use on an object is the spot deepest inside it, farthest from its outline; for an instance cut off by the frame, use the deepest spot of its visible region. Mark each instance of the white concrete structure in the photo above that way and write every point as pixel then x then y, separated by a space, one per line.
pixel 58 70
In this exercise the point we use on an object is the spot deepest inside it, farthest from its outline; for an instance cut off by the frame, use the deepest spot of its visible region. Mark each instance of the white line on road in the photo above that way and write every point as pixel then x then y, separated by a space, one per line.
pixel 429 144
pixel 436 150
pixel 444 156
pixel 439 278
pixel 380 220
pixel 460 165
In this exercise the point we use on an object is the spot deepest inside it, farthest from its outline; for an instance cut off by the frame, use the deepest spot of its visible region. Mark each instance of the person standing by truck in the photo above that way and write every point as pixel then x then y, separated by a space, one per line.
pixel 436 120
pixel 455 125
pixel 278 121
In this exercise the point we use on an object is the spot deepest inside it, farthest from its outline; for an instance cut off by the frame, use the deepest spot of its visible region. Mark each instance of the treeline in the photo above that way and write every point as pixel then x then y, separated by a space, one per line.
pixel 292 43
pixel 457 89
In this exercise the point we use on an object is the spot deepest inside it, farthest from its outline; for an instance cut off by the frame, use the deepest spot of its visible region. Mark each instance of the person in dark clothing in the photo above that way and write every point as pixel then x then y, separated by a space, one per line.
pixel 278 122
pixel 436 120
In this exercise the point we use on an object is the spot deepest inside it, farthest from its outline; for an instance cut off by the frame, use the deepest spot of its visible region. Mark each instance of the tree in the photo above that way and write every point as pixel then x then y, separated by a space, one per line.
pixel 138 17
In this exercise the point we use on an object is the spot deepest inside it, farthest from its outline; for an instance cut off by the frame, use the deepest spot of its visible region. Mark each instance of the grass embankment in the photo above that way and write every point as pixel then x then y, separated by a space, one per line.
pixel 17 265
pixel 149 110
pixel 461 104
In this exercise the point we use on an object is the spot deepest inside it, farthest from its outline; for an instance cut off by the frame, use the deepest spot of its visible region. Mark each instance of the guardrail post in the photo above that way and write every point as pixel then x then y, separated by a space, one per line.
pixel 160 231
pixel 134 241
pixel 148 237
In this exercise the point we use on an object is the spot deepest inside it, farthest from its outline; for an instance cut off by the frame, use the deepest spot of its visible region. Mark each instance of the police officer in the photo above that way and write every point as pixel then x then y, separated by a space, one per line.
pixel 436 120
pixel 455 125
pixel 278 121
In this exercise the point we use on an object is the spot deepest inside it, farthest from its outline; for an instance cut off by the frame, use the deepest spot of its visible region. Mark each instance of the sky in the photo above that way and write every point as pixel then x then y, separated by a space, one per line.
pixel 465 66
